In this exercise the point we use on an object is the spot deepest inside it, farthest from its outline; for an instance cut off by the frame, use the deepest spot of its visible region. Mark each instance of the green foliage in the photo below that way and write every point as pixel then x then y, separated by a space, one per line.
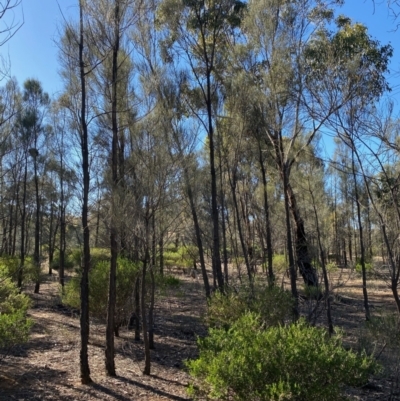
pixel 14 324
pixel 272 304
pixel 10 265
pixel 279 263
pixel 69 260
pixel 295 362
pixel 183 256
pixel 96 255
pixel 167 281
pixel 127 272
pixel 331 267
pixel 312 292
pixel 368 267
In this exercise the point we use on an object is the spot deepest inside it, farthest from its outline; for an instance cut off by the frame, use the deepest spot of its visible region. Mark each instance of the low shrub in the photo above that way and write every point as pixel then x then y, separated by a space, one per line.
pixel 14 324
pixel 96 255
pixel 98 283
pixel 10 265
pixel 295 362
pixel 168 281
pixel 69 260
pixel 182 257
pixel 279 263
pixel 368 267
pixel 273 305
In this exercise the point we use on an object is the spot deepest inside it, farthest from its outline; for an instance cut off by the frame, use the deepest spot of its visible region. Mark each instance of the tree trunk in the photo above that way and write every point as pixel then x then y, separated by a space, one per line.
pixel 233 182
pixel 292 267
pixel 147 361
pixel 198 235
pixel 23 223
pixel 36 256
pixel 137 309
pixel 362 248
pixel 84 317
pixel 306 269
pixel 112 294
pixel 271 276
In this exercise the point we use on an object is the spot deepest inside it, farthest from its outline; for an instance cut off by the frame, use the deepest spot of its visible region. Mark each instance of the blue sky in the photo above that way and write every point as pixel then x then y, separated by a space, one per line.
pixel 33 50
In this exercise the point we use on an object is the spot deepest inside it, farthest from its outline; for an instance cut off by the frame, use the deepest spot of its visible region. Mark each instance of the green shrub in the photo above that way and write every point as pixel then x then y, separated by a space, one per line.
pixel 98 283
pixel 182 257
pixel 273 304
pixel 69 260
pixel 331 267
pixel 168 281
pixel 96 255
pixel 368 267
pixel 295 362
pixel 14 324
pixel 279 263
pixel 10 265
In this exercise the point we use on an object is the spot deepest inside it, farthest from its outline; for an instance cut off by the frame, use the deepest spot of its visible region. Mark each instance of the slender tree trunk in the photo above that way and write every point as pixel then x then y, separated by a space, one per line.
pixel 292 267
pixel 239 226
pixel 198 235
pixel 151 308
pixel 50 243
pixel 325 273
pixel 84 317
pixel 216 258
pixel 137 308
pixel 223 222
pixel 271 276
pixel 362 248
pixel 36 256
pixel 23 223
pixel 161 253
pixel 147 361
pixel 112 295
pixel 302 248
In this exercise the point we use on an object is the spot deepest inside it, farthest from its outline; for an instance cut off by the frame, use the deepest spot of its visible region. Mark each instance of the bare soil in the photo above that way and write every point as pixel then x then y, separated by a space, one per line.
pixel 47 367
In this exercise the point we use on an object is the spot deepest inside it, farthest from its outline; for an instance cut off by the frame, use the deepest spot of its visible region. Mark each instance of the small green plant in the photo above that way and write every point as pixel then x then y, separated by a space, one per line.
pixel 96 255
pixel 331 267
pixel 69 260
pixel 279 263
pixel 368 267
pixel 10 265
pixel 169 281
pixel 295 362
pixel 127 272
pixel 312 292
pixel 273 304
pixel 14 324
pixel 182 257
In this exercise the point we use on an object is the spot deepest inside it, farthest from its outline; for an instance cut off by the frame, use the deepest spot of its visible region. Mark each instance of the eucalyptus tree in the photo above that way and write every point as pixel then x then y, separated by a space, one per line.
pixel 361 80
pixel 301 70
pixel 201 32
pixel 31 126
pixel 110 24
pixel 78 65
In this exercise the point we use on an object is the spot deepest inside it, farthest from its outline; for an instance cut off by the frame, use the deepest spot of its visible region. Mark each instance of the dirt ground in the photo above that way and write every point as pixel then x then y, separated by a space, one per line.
pixel 47 367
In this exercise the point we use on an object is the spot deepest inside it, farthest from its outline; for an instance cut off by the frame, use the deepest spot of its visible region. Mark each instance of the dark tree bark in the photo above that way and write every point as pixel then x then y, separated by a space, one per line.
pixel 271 276
pixel 84 317
pixel 112 294
pixel 36 254
pixel 361 238
pixel 23 224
